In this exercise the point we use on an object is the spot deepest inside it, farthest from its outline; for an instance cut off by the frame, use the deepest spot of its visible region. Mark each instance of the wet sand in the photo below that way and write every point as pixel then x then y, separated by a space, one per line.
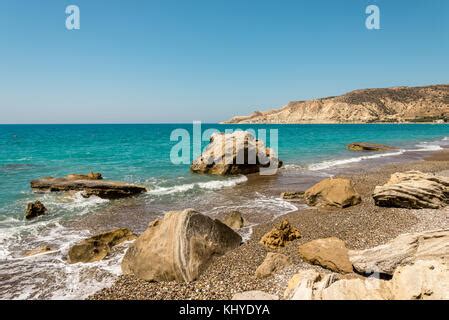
pixel 361 226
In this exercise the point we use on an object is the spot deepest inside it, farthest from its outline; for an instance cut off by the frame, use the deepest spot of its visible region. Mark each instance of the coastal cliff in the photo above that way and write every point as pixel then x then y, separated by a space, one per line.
pixel 396 104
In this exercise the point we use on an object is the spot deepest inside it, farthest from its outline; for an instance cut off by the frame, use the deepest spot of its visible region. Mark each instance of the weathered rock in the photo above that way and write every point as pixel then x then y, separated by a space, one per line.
pixel 273 263
pixel 300 286
pixel 329 253
pixel 236 153
pixel 358 289
pixel 254 295
pixel 404 249
pixel 36 251
pixel 178 247
pixel 35 209
pixel 366 146
pixel 332 192
pixel 293 196
pixel 280 235
pixel 422 280
pixel 234 220
pixel 89 187
pixel 89 176
pixel 413 190
pixel 98 247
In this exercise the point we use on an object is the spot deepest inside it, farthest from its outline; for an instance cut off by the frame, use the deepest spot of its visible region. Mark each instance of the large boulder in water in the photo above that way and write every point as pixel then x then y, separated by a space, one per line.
pixel 413 190
pixel 91 185
pixel 236 153
pixel 178 247
pixel 99 246
pixel 332 192
pixel 35 209
pixel 367 146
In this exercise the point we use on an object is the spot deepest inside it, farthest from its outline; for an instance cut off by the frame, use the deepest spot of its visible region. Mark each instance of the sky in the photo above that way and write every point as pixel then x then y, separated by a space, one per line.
pixel 177 61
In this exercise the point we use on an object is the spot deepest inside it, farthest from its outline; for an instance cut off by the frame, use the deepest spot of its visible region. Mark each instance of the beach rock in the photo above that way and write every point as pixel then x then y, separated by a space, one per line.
pixel 293 196
pixel 413 190
pixel 332 192
pixel 236 153
pixel 280 235
pixel 178 247
pixel 422 280
pixel 329 253
pixel 366 146
pixel 89 186
pixel 234 220
pixel 273 263
pixel 254 295
pixel 98 247
pixel 38 250
pixel 358 289
pixel 404 249
pixel 89 176
pixel 300 286
pixel 35 209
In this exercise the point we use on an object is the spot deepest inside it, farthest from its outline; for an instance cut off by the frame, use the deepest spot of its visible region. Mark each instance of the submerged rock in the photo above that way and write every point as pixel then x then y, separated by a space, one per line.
pixel 236 153
pixel 280 235
pixel 293 195
pixel 332 192
pixel 35 209
pixel 329 253
pixel 273 263
pixel 98 247
pixel 89 186
pixel 178 247
pixel 36 251
pixel 366 146
pixel 234 220
pixel 413 190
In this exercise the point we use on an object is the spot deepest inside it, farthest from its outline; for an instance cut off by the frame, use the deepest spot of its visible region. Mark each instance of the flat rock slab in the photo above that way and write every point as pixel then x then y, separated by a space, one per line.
pixel 367 146
pixel 100 188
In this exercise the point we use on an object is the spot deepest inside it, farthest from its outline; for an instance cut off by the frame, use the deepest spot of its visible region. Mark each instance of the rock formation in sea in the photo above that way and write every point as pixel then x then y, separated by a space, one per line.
pixel 396 104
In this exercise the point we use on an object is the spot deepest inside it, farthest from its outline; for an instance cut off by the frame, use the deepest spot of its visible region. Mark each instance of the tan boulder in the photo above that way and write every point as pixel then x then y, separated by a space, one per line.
pixel 254 295
pixel 236 153
pixel 404 249
pixel 413 190
pixel 178 247
pixel 273 263
pixel 234 220
pixel 280 235
pixel 332 192
pixel 358 289
pixel 329 253
pixel 99 246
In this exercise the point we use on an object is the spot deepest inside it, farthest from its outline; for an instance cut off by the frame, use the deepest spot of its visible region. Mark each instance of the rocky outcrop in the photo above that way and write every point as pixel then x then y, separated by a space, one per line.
pixel 332 192
pixel 396 104
pixel 367 146
pixel 273 263
pixel 89 186
pixel 254 295
pixel 293 195
pixel 98 247
pixel 234 220
pixel 358 289
pixel 413 190
pixel 404 249
pixel 35 209
pixel 280 235
pixel 236 153
pixel 178 247
pixel 329 253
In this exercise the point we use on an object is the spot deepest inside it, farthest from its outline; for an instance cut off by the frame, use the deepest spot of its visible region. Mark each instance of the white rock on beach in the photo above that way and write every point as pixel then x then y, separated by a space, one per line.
pixel 178 247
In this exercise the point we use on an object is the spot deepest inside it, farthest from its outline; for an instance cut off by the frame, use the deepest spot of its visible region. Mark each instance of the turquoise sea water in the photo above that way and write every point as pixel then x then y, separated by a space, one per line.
pixel 141 154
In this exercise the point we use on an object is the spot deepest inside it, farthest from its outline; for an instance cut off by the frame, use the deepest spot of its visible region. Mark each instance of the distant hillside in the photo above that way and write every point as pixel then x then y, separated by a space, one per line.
pixel 398 104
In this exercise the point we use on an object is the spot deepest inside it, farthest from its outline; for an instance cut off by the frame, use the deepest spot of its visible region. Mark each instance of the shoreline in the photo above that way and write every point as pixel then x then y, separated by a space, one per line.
pixel 362 226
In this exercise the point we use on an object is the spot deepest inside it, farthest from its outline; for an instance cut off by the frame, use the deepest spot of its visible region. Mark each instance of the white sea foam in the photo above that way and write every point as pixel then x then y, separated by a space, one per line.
pixel 209 185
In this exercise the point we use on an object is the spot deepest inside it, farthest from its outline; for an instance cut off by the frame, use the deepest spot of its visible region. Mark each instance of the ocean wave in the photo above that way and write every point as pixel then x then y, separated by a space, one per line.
pixel 209 185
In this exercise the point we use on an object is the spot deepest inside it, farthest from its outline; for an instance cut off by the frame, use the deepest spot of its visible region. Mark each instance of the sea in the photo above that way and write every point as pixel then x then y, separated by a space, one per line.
pixel 143 154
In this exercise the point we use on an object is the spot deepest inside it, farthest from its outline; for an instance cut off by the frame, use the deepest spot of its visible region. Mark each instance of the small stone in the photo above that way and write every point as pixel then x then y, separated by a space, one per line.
pixel 35 209
pixel 273 263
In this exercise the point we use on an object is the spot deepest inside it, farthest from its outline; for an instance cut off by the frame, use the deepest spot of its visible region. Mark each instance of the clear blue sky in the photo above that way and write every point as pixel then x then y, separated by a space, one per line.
pixel 178 61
